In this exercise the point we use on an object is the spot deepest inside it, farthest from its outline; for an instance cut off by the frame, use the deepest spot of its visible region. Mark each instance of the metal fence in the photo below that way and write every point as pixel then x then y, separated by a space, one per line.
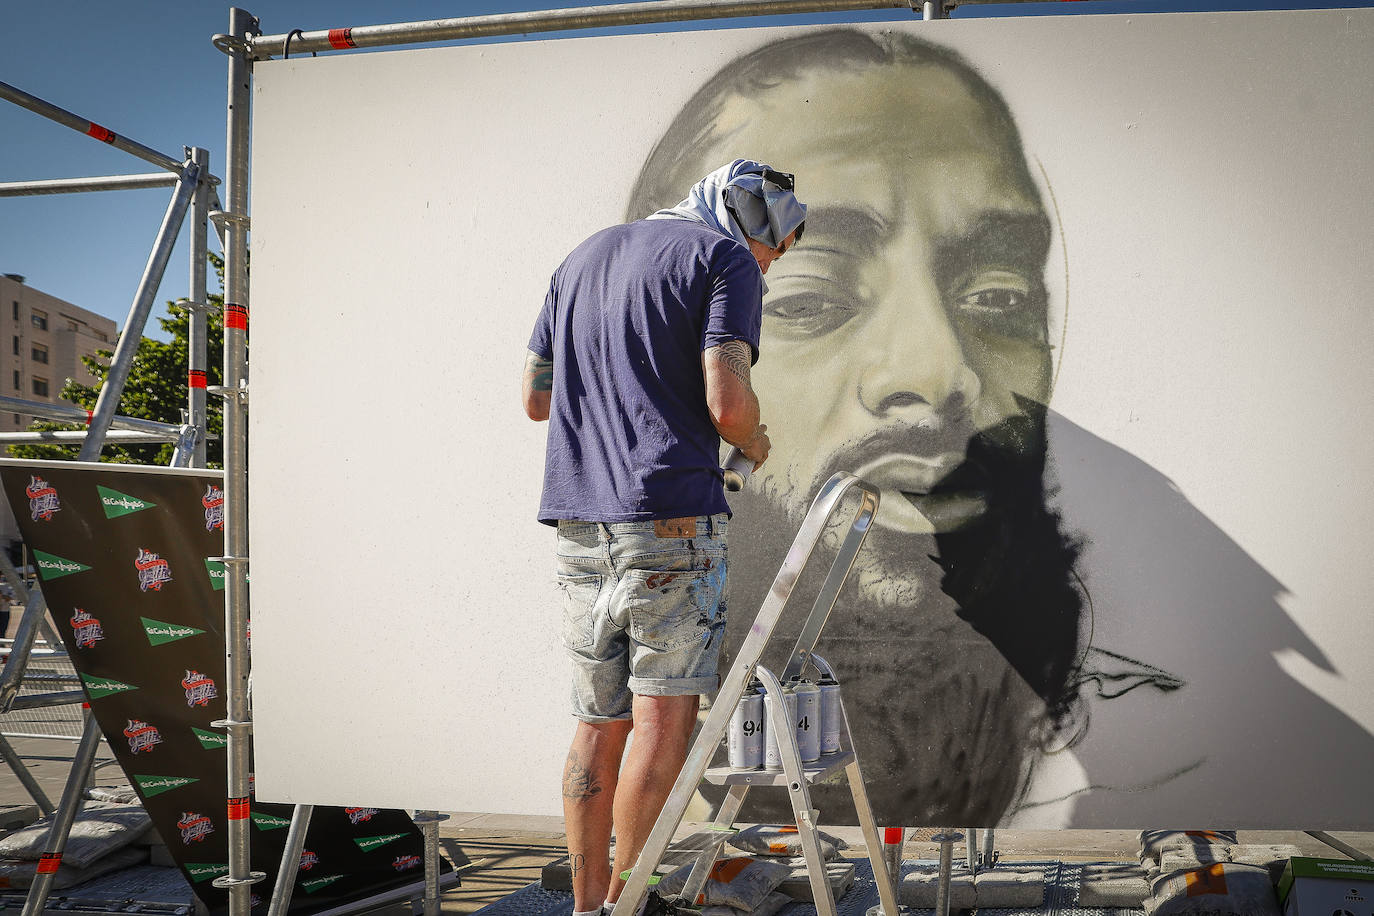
pixel 49 671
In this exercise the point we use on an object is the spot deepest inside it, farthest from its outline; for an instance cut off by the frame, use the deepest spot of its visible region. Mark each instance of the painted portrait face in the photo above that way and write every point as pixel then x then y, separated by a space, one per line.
pixel 904 340
pixel 913 314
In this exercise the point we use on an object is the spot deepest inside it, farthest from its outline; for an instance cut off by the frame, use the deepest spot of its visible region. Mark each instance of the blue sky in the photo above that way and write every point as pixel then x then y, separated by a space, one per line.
pixel 146 69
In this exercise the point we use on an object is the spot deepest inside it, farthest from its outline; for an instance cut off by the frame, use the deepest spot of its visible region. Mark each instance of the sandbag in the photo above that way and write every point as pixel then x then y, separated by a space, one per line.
pixel 1273 856
pixel 100 828
pixel 741 882
pixel 776 840
pixel 1152 842
pixel 771 905
pixel 18 874
pixel 1223 889
pixel 1187 857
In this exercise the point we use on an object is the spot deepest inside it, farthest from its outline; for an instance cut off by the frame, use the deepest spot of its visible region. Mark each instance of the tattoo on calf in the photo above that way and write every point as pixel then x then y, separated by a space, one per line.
pixel 735 355
pixel 576 863
pixel 540 372
pixel 579 783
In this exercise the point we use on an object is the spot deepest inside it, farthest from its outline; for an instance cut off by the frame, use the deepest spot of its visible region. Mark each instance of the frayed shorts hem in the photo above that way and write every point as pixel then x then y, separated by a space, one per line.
pixel 672 687
pixel 601 720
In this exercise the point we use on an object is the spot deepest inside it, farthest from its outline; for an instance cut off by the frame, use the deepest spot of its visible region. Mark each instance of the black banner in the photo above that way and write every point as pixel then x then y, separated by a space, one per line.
pixel 124 556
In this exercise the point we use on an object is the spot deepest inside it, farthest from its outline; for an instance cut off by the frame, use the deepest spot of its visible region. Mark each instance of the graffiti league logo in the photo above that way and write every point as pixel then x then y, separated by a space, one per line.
pixel 142 736
pixel 86 630
pixel 153 571
pixel 213 501
pixel 200 689
pixel 194 827
pixel 43 501
pixel 360 815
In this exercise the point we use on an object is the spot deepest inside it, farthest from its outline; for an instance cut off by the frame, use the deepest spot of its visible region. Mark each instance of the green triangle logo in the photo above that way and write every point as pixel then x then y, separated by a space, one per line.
pixel 216 570
pixel 116 503
pixel 211 741
pixel 316 884
pixel 97 687
pixel 156 785
pixel 269 821
pixel 160 632
pixel 51 567
pixel 369 843
pixel 204 871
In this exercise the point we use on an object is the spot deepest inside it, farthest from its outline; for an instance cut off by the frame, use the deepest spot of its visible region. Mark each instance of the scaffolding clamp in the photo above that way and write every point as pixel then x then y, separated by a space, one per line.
pixel 232 44
pixel 226 881
pixel 238 727
pixel 221 217
pixel 237 393
pixel 194 306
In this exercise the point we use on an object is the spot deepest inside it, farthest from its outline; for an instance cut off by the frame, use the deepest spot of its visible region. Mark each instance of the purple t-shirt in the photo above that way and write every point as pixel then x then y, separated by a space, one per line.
pixel 626 319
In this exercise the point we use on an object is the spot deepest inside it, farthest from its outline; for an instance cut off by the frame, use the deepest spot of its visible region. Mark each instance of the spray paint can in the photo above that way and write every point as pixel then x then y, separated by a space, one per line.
pixel 746 731
pixel 808 719
pixel 772 758
pixel 832 715
pixel 736 470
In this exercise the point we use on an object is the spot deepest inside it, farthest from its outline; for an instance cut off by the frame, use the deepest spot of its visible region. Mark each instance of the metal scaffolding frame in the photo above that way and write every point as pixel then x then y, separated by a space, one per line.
pixel 244 44
pixel 192 192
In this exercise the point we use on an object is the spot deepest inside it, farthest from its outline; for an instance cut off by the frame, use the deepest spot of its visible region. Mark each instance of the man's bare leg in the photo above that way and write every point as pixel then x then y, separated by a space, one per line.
pixel 663 727
pixel 589 789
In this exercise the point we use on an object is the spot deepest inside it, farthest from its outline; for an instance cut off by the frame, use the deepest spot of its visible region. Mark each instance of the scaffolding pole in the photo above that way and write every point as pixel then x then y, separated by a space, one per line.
pixel 238 724
pixel 197 360
pixel 77 185
pixel 617 14
pixel 79 436
pixel 68 413
pixel 113 388
pixel 89 128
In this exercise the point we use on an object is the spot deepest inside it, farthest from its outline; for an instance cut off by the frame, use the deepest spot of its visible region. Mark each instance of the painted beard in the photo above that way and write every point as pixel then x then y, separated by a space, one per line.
pixel 954 650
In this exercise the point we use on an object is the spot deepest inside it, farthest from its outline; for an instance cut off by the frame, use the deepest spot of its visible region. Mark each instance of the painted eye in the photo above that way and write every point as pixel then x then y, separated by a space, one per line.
pixel 808 313
pixel 996 292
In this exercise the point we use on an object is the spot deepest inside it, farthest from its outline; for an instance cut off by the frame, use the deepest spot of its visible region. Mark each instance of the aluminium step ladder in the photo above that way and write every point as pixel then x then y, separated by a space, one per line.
pixel 796 777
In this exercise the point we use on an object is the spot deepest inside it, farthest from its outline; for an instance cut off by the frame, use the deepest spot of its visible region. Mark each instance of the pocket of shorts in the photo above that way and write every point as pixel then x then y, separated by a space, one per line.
pixel 578 595
pixel 672 609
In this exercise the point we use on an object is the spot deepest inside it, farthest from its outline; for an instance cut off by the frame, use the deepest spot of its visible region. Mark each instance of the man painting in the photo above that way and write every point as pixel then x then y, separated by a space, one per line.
pixel 640 361
pixel 915 320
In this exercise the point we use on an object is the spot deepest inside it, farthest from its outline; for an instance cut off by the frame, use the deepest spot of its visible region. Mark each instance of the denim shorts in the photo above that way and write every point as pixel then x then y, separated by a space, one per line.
pixel 642 613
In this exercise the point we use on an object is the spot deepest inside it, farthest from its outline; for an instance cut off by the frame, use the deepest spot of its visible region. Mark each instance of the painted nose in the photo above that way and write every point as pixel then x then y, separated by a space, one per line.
pixel 915 360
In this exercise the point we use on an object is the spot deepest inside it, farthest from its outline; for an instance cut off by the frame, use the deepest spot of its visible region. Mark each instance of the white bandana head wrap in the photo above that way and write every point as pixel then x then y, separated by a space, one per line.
pixel 744 200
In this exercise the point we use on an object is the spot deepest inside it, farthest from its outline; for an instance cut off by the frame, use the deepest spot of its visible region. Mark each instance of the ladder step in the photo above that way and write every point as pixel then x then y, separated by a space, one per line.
pixel 818 771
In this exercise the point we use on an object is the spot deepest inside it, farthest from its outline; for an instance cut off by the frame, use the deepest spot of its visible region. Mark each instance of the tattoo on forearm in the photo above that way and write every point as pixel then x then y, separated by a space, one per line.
pixel 579 782
pixel 735 355
pixel 540 372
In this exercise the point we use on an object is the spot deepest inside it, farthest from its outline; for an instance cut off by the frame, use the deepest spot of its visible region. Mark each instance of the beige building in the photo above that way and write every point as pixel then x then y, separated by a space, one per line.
pixel 43 341
pixel 41 346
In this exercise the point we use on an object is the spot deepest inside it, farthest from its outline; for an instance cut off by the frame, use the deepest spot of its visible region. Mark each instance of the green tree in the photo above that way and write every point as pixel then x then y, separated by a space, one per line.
pixel 155 389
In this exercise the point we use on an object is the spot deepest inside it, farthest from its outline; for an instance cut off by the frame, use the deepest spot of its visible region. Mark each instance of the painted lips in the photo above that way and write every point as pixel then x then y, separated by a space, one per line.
pixel 908 505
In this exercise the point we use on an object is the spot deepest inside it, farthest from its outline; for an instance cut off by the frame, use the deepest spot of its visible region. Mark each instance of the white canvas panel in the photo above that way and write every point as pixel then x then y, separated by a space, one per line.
pixel 1182 588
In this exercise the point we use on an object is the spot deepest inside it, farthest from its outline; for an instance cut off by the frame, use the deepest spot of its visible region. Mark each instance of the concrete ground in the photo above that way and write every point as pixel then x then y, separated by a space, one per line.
pixel 497 854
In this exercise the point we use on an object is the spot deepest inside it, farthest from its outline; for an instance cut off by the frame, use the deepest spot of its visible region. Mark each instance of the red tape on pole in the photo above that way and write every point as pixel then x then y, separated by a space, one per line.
pixel 90 415
pixel 341 39
pixel 195 378
pixel 238 808
pixel 892 835
pixel 103 134
pixel 48 862
pixel 236 316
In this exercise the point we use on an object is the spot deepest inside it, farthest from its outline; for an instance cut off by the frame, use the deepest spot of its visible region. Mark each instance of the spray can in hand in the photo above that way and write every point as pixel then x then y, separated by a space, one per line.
pixel 736 469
